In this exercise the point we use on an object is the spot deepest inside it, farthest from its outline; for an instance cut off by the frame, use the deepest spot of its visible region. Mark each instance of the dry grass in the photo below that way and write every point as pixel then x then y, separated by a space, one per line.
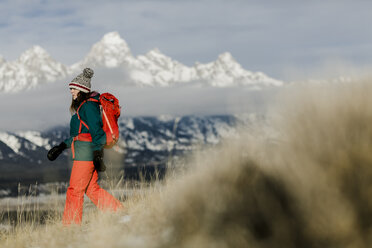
pixel 310 187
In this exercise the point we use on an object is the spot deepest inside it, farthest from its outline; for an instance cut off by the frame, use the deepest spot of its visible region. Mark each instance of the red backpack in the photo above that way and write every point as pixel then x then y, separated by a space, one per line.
pixel 110 111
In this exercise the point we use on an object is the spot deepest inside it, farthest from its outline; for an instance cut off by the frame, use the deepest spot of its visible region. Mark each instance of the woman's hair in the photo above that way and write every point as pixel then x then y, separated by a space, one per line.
pixel 81 97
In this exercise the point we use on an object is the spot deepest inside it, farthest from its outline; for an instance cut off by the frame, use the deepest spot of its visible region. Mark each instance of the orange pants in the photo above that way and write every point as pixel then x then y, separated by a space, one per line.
pixel 84 180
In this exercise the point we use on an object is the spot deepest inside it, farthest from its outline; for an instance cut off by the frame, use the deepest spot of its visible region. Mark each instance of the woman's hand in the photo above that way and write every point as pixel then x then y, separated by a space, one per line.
pixel 56 151
pixel 98 160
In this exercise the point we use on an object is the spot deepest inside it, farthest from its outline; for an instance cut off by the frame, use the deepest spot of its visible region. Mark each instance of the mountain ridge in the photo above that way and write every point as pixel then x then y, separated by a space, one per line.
pixel 145 134
pixel 36 67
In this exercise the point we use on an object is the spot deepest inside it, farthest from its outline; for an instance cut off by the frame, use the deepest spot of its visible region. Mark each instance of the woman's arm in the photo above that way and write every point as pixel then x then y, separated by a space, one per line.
pixel 68 142
pixel 91 114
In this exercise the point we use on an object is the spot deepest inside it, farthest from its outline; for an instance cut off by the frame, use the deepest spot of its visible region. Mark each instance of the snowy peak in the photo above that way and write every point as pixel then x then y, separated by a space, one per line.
pixel 155 61
pixel 156 55
pixel 226 58
pixel 113 39
pixel 35 66
pixel 111 51
pixel 226 71
pixel 36 53
pixel 40 60
pixel 156 69
pixel 226 62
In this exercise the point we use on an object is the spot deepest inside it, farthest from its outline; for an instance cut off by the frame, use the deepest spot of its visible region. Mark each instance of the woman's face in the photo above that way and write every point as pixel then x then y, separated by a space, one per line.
pixel 74 93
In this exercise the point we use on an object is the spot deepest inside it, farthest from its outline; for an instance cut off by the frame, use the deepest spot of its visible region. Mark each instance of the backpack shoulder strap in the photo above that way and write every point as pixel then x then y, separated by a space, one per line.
pixel 77 112
pixel 93 100
pixel 78 115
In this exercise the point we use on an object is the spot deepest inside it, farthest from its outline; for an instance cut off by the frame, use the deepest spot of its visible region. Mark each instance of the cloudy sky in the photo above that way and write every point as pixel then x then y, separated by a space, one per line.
pixel 285 39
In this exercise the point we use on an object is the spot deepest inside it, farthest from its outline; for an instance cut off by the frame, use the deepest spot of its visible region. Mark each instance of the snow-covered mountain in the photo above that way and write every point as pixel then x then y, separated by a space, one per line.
pixel 139 136
pixel 36 66
pixel 111 51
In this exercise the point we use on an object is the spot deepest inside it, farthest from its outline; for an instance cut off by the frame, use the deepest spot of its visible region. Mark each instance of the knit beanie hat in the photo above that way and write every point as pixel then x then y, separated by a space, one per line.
pixel 82 81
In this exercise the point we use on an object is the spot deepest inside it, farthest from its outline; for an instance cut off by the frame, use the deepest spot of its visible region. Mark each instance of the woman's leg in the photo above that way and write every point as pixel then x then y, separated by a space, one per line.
pixel 81 175
pixel 100 197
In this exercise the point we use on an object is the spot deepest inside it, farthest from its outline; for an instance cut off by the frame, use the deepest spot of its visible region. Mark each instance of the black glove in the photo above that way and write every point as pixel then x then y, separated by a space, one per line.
pixel 56 151
pixel 98 160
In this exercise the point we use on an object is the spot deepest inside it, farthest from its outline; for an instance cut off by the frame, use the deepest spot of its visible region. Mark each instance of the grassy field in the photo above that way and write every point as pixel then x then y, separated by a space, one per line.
pixel 305 183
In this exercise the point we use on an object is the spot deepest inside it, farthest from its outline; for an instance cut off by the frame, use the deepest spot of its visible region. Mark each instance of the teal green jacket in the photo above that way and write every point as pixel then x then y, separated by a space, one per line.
pixel 90 113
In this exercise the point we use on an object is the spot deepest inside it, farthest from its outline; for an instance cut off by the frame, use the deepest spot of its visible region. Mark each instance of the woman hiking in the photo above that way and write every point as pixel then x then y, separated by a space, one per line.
pixel 86 141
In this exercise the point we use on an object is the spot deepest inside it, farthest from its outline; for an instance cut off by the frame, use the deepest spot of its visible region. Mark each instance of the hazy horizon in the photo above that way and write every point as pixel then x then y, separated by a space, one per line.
pixel 47 105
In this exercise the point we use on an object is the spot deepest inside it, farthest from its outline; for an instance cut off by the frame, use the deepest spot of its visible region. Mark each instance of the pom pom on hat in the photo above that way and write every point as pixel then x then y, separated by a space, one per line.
pixel 82 81
pixel 88 73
